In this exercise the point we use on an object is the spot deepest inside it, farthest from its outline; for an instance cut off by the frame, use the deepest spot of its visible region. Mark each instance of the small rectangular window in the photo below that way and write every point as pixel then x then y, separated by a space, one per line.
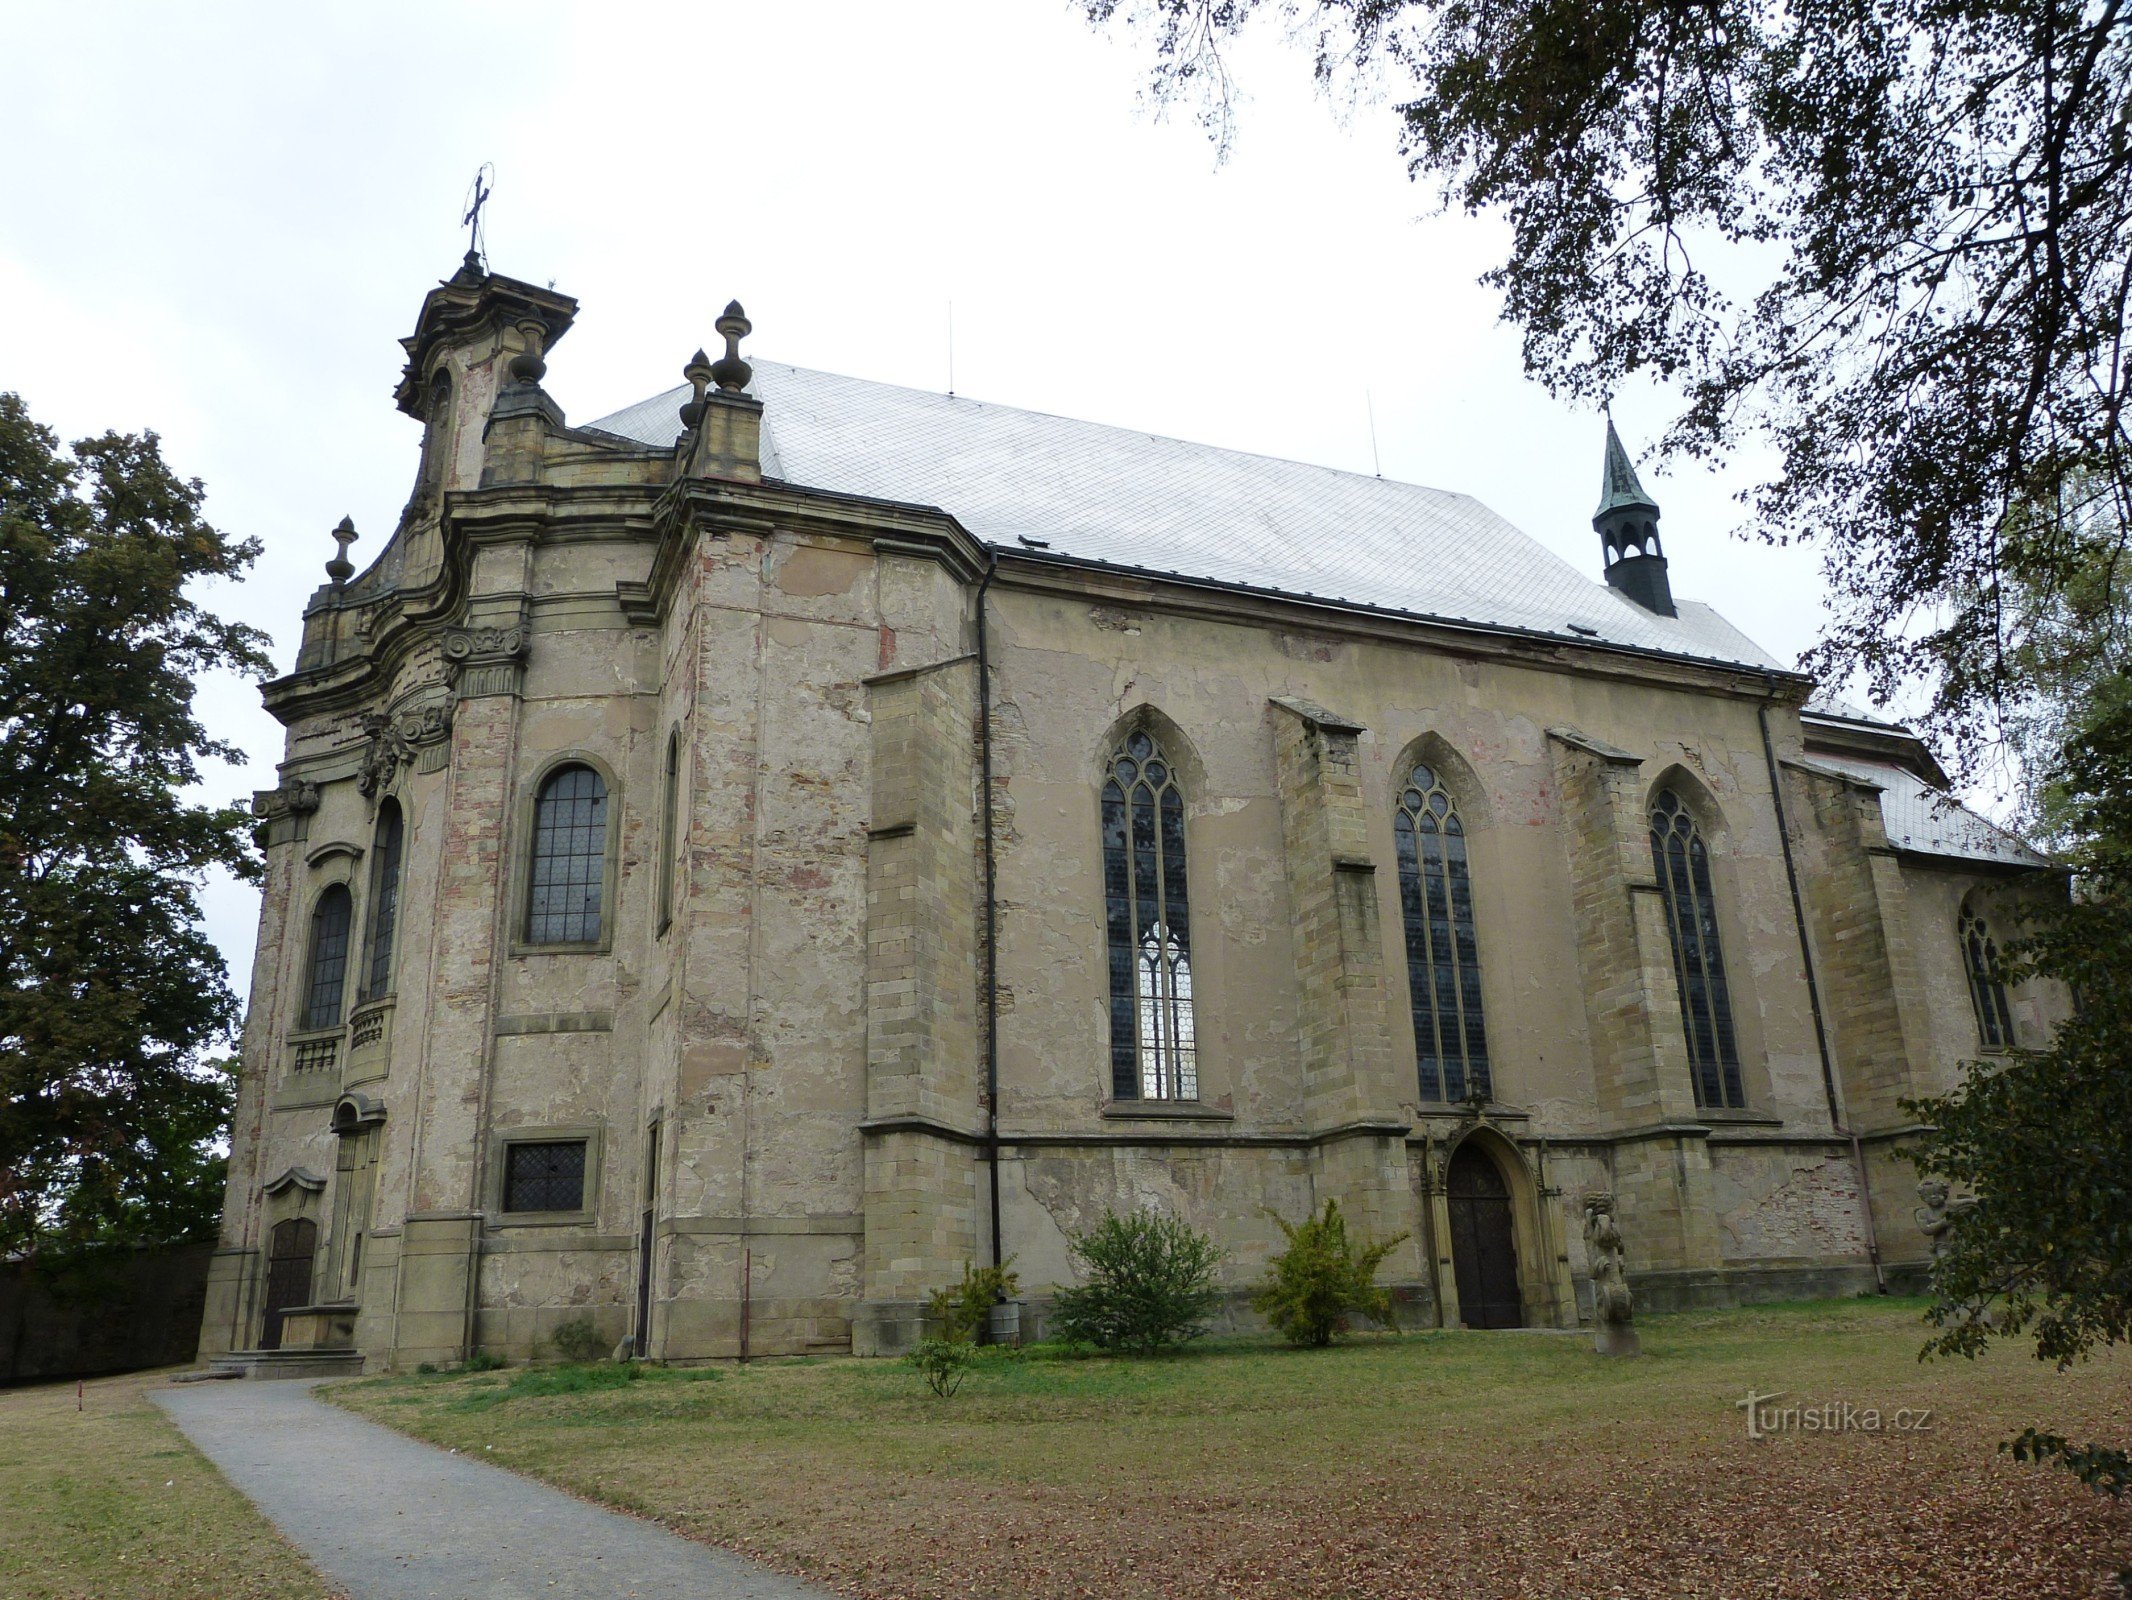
pixel 547 1175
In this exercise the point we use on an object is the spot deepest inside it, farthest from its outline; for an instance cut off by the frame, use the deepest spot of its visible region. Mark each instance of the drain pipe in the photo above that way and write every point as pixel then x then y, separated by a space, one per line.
pixel 991 915
pixel 1813 986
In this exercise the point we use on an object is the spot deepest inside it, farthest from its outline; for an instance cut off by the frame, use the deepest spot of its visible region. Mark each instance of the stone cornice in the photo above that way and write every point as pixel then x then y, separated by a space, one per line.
pixel 1205 598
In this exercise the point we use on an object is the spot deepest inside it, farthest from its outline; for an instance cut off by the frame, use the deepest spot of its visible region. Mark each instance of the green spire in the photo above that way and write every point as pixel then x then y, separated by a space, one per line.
pixel 1618 485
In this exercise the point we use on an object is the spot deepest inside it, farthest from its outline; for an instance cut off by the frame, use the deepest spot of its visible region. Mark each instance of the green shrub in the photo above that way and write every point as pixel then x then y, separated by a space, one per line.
pixel 1314 1288
pixel 483 1361
pixel 964 1310
pixel 578 1340
pixel 1150 1282
pixel 943 1363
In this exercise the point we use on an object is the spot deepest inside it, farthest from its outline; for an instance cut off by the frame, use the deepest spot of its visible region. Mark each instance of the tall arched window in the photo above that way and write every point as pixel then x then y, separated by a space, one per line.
pixel 1987 989
pixel 669 828
pixel 568 877
pixel 1443 958
pixel 326 973
pixel 384 900
pixel 1152 1053
pixel 1683 867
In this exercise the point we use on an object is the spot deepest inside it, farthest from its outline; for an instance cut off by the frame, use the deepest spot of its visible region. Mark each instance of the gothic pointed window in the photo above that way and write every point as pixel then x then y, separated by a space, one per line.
pixel 326 972
pixel 1149 927
pixel 1987 989
pixel 1683 866
pixel 384 900
pixel 1443 957
pixel 567 883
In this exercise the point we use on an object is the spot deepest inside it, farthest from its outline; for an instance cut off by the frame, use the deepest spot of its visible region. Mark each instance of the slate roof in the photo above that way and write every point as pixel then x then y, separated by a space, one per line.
pixel 1031 483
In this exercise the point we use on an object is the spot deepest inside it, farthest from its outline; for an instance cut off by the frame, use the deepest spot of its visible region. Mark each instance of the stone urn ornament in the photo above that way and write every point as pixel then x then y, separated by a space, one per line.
pixel 1613 1308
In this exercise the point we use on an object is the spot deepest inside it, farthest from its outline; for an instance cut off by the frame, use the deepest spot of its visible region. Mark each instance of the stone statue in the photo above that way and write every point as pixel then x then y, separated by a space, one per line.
pixel 1936 1215
pixel 1613 1308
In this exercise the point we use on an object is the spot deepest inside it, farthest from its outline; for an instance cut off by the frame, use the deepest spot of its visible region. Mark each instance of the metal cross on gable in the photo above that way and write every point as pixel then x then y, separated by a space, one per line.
pixel 477 196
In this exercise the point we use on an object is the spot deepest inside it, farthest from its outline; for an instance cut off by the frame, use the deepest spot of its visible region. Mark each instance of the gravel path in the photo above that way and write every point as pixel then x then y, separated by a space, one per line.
pixel 389 1518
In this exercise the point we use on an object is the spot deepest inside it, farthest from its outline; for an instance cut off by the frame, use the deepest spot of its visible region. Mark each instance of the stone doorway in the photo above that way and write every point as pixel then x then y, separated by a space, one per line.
pixel 1483 1244
pixel 291 1250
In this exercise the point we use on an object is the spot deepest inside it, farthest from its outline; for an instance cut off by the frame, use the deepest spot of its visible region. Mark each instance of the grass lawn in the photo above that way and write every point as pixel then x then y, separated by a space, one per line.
pixel 1464 1464
pixel 111 1503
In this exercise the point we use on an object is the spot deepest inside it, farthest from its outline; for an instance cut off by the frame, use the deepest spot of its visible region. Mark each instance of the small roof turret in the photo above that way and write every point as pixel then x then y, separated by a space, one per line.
pixel 1619 487
pixel 1627 525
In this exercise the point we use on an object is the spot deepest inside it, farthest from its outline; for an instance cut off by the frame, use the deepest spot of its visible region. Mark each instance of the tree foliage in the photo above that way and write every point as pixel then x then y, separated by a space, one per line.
pixel 113 1004
pixel 1150 1283
pixel 1895 237
pixel 962 1312
pixel 2043 1144
pixel 1324 1280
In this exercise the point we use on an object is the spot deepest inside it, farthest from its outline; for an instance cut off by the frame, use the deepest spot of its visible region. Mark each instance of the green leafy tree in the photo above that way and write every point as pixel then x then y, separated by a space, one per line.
pixel 2043 1143
pixel 1150 1284
pixel 114 1007
pixel 1324 1280
pixel 1895 240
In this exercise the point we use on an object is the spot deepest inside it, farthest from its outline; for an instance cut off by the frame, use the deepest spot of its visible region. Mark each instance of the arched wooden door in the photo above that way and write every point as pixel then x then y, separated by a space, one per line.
pixel 291 1249
pixel 1483 1251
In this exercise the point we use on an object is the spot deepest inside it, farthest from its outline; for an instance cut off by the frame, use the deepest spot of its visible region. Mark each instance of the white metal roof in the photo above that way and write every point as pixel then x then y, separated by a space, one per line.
pixel 1931 821
pixel 1025 481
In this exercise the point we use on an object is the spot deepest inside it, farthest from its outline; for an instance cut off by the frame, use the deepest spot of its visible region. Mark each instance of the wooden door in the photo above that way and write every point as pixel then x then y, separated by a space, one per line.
pixel 290 1251
pixel 1483 1250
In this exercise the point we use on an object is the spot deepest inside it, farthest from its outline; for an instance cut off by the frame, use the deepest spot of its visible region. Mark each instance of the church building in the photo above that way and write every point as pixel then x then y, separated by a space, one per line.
pixel 739 860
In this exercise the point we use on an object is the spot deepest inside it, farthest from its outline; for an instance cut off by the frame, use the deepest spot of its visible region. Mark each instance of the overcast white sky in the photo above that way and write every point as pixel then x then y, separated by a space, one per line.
pixel 217 219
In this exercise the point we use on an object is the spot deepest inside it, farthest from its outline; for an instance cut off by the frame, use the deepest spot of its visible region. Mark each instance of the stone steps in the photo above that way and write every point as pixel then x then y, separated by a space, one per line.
pixel 279 1364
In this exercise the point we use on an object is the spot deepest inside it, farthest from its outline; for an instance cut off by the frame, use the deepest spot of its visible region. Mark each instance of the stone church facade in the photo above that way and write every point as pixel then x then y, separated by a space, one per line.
pixel 740 860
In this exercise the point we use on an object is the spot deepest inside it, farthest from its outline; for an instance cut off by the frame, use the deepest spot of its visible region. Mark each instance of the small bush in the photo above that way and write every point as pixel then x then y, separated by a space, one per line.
pixel 1324 1279
pixel 964 1310
pixel 1150 1284
pixel 943 1363
pixel 578 1340
pixel 483 1361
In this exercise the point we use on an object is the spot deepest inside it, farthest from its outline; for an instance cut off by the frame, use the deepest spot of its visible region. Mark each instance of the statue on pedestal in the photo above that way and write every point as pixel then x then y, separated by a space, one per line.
pixel 1613 1308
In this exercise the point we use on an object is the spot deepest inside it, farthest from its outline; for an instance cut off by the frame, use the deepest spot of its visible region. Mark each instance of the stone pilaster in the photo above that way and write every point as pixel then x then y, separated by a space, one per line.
pixel 1346 1045
pixel 1640 1071
pixel 440 1240
pixel 1351 1086
pixel 925 1116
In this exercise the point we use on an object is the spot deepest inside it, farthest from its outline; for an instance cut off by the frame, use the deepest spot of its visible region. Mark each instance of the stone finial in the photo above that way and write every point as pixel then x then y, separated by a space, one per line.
pixel 729 372
pixel 340 569
pixel 698 373
pixel 528 366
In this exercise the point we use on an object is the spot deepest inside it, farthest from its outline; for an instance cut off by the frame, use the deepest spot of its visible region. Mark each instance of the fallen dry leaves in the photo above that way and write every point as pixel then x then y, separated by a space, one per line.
pixel 1433 1467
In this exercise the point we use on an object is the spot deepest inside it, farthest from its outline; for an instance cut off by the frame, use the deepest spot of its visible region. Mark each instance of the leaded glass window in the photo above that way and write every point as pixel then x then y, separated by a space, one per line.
pixel 327 972
pixel 1149 927
pixel 1443 957
pixel 1683 867
pixel 544 1175
pixel 384 899
pixel 1987 990
pixel 569 870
